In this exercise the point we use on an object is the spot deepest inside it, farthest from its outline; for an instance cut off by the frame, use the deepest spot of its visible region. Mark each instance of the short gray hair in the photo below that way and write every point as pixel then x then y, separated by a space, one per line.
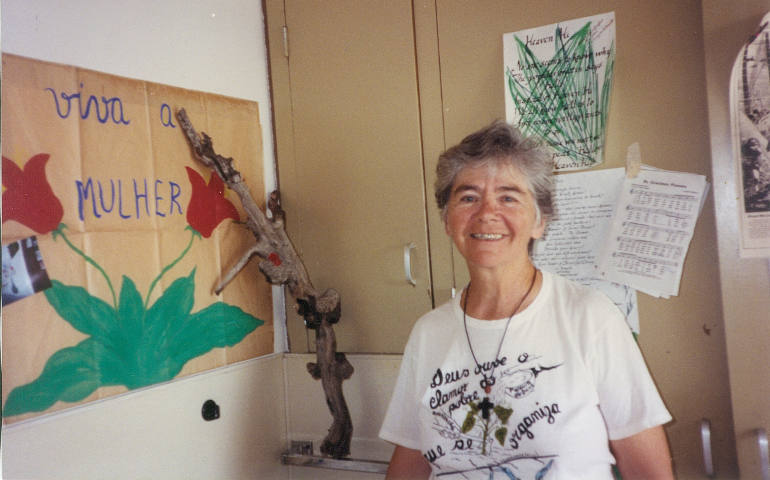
pixel 501 144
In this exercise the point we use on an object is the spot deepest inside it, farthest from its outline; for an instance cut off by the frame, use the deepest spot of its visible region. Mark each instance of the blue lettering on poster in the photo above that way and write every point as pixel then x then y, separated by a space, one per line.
pixel 162 200
pixel 108 109
pixel 166 117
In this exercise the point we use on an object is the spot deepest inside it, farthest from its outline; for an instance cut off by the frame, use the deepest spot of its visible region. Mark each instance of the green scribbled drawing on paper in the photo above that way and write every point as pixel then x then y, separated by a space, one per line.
pixel 560 99
pixel 130 343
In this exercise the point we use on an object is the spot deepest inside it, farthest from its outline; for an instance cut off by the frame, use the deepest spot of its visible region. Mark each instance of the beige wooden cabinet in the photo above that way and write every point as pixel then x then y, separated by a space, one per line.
pixel 368 93
pixel 349 149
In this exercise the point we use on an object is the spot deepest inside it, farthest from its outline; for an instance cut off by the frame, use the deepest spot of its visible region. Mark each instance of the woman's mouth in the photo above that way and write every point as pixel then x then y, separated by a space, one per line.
pixel 487 236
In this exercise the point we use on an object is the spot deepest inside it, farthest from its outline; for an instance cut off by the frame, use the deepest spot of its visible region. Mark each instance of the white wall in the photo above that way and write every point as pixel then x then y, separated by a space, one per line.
pixel 215 46
pixel 745 281
pixel 159 433
pixel 367 394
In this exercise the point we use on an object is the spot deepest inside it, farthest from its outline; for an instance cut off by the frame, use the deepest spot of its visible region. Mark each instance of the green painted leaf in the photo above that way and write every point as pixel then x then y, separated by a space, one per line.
pixel 88 314
pixel 124 367
pixel 131 346
pixel 117 364
pixel 130 309
pixel 167 315
pixel 218 325
pixel 69 375
pixel 170 311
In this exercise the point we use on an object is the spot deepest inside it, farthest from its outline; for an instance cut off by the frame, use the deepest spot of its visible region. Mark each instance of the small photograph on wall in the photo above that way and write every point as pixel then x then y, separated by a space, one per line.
pixel 750 111
pixel 24 272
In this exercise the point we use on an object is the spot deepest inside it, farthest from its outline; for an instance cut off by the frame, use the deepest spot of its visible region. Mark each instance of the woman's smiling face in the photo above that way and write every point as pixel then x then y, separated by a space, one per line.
pixel 492 215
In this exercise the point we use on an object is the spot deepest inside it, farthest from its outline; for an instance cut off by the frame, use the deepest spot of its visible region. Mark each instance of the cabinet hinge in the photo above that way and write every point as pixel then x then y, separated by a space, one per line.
pixel 286 41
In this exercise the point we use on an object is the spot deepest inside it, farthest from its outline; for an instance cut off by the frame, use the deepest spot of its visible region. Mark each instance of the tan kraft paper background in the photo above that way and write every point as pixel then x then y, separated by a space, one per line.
pixel 150 148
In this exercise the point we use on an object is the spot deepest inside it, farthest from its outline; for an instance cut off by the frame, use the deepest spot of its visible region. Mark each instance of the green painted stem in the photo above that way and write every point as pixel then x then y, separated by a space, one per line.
pixel 168 267
pixel 60 231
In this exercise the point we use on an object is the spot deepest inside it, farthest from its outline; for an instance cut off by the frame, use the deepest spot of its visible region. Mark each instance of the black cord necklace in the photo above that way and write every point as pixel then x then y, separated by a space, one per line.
pixel 487 382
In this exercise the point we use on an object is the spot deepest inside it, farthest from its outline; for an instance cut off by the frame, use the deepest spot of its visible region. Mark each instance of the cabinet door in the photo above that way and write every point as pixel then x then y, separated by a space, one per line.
pixel 664 109
pixel 350 163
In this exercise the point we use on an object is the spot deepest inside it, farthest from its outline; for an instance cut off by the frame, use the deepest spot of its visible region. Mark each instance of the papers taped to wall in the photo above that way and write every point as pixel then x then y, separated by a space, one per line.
pixel 651 230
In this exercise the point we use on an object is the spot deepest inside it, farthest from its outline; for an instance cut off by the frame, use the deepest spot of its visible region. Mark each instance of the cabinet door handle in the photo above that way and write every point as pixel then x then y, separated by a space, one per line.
pixel 764 456
pixel 408 263
pixel 705 438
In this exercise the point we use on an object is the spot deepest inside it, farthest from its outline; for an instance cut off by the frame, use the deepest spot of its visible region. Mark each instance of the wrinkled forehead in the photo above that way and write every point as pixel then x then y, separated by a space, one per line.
pixel 499 169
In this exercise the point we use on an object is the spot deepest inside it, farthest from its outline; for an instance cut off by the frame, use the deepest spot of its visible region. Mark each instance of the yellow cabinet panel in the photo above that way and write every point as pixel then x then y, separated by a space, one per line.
pixel 353 185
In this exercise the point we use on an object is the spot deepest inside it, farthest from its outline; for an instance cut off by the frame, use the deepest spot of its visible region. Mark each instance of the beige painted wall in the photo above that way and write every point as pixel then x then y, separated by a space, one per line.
pixel 744 282
pixel 158 432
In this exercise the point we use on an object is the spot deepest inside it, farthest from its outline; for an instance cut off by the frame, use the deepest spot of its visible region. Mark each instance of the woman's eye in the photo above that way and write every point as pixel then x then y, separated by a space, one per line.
pixel 467 199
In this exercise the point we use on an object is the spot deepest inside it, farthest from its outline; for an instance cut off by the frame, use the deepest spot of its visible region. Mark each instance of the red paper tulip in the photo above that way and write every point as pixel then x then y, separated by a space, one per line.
pixel 28 198
pixel 208 206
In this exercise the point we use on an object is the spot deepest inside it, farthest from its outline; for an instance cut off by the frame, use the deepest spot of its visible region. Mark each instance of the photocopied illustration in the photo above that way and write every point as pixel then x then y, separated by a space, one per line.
pixel 750 112
pixel 558 81
pixel 108 217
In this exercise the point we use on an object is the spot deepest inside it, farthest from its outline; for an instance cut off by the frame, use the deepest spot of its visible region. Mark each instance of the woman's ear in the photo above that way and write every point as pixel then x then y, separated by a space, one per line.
pixel 539 229
pixel 444 215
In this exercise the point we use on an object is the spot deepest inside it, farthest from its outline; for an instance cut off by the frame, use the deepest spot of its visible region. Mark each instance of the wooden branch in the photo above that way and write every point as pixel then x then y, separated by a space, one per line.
pixel 235 269
pixel 281 265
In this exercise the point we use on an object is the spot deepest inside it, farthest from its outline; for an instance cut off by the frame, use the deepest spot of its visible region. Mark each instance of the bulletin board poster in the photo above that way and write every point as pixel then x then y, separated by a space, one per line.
pixel 114 237
pixel 750 112
pixel 558 81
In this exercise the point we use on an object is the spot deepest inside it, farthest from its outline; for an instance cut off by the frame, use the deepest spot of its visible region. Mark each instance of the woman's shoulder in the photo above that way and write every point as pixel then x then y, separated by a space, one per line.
pixel 433 330
pixel 567 290
pixel 581 306
pixel 438 316
pixel 561 283
pixel 435 320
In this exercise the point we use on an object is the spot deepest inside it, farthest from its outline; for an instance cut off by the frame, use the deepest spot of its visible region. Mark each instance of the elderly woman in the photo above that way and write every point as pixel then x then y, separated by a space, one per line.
pixel 526 375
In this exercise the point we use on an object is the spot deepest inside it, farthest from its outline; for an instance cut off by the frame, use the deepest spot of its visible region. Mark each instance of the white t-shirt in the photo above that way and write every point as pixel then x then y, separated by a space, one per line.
pixel 569 377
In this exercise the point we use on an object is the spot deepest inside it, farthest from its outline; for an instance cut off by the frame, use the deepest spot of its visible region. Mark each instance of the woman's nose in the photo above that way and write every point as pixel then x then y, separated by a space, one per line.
pixel 487 208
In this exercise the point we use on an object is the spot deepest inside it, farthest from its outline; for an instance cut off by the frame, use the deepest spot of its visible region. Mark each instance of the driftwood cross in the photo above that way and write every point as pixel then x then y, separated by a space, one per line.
pixel 281 265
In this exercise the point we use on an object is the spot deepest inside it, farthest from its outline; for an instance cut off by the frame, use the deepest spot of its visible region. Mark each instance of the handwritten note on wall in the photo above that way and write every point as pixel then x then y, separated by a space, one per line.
pixel 558 81
pixel 584 205
pixel 620 234
pixel 97 171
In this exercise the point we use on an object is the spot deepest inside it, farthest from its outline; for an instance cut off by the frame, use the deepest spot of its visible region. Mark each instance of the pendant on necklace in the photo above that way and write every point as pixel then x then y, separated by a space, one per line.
pixel 487 382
